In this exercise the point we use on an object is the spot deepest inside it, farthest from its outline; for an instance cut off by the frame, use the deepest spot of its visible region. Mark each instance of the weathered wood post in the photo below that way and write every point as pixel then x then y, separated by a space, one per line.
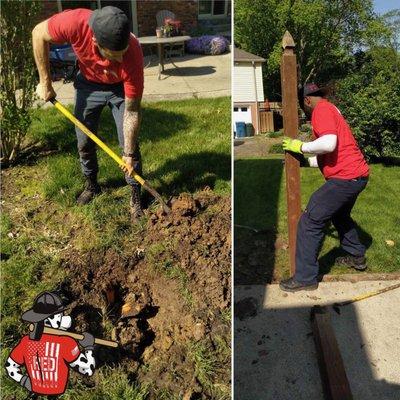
pixel 290 127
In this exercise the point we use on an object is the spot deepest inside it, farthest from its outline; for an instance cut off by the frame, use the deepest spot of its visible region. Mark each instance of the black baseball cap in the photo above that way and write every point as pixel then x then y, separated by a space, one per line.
pixel 312 89
pixel 110 28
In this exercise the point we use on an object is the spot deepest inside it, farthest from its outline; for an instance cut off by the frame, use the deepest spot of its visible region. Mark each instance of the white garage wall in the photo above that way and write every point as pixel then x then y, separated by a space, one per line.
pixel 243 83
pixel 241 116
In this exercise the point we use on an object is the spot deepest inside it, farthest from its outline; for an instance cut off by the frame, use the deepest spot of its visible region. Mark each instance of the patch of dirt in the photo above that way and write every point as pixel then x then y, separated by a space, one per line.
pixel 255 256
pixel 169 292
pixel 256 146
pixel 246 308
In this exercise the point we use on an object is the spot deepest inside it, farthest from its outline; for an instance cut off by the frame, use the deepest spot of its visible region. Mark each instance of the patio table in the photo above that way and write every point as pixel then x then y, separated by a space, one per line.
pixel 160 42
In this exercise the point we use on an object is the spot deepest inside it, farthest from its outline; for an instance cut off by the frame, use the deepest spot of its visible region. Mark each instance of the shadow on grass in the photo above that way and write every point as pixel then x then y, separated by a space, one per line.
pixel 193 172
pixel 256 199
pixel 52 132
pixel 327 261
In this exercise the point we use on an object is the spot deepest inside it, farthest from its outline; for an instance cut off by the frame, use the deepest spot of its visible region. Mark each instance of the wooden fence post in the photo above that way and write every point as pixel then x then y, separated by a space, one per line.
pixel 290 126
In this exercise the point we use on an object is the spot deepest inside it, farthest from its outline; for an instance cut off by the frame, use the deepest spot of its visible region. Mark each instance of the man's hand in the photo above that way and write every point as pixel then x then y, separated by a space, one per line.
pixel 45 91
pixel 293 145
pixel 131 164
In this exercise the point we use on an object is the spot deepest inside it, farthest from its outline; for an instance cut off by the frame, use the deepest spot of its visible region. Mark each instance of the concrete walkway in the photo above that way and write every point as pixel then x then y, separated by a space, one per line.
pixel 275 357
pixel 188 77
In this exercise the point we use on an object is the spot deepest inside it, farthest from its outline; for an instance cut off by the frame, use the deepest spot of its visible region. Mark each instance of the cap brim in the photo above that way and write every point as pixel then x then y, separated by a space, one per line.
pixel 323 90
pixel 32 316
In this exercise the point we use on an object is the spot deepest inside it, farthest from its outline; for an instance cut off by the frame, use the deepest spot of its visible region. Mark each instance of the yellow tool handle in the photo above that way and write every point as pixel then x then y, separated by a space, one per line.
pixel 95 139
pixel 77 336
pixel 366 295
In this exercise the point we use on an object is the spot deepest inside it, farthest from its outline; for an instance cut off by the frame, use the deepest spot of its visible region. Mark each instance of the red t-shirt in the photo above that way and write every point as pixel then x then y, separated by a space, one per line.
pixel 72 26
pixel 46 361
pixel 346 161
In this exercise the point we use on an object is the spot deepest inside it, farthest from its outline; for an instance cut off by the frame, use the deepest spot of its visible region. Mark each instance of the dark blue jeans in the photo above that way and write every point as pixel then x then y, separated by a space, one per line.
pixel 331 202
pixel 90 99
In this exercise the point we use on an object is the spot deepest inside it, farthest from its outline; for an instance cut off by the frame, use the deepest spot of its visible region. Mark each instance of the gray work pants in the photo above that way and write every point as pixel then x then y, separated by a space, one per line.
pixel 90 99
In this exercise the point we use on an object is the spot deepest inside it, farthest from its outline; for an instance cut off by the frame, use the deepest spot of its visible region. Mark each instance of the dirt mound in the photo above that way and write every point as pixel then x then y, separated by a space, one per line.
pixel 165 298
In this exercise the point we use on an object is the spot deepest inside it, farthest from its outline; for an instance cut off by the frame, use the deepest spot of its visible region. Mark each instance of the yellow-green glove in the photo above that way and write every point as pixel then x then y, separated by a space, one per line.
pixel 293 145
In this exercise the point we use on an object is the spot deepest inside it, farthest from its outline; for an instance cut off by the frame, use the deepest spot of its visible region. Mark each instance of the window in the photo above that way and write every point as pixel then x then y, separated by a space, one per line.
pixel 219 7
pixel 243 109
pixel 235 109
pixel 72 4
pixel 205 7
pixel 214 8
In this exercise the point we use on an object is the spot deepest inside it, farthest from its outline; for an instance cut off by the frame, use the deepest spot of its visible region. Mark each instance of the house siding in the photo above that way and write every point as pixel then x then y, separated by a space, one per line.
pixel 243 87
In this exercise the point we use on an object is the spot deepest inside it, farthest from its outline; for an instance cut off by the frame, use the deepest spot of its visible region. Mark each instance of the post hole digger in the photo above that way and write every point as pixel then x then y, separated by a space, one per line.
pixel 128 170
pixel 336 306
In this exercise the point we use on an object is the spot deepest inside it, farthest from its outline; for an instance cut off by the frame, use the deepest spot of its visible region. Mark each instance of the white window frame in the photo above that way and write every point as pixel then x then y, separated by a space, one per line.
pixel 211 16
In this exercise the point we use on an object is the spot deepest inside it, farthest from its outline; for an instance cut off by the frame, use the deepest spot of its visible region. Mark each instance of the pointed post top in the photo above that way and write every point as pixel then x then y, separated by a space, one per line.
pixel 287 41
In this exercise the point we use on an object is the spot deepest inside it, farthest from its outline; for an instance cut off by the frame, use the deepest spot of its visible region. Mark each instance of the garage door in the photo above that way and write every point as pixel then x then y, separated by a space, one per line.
pixel 241 114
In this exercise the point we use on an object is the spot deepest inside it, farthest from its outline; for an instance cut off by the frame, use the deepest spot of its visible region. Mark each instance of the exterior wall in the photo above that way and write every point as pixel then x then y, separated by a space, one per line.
pixel 253 112
pixel 243 86
pixel 50 7
pixel 255 121
pixel 186 11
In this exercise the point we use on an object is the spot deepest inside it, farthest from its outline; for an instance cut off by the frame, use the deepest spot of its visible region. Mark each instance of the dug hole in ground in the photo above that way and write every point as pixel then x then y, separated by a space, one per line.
pixel 171 323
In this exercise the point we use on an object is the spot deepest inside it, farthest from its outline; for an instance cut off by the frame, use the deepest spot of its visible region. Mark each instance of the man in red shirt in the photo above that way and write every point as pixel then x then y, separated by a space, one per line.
pixel 346 173
pixel 111 73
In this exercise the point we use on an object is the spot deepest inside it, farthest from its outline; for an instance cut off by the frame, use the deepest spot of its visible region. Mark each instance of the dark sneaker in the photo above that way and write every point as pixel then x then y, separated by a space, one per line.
pixel 135 204
pixel 92 189
pixel 290 285
pixel 358 263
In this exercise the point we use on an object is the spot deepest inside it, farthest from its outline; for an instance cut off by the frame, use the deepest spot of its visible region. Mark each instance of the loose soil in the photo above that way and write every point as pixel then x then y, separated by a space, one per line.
pixel 163 294
pixel 162 297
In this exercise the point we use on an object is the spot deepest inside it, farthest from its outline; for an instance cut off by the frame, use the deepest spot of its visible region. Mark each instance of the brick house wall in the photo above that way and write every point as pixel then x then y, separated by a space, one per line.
pixel 49 8
pixel 185 11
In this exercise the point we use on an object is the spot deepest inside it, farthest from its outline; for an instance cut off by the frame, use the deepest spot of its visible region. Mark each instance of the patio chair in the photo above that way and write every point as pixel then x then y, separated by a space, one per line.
pixel 162 14
pixel 175 49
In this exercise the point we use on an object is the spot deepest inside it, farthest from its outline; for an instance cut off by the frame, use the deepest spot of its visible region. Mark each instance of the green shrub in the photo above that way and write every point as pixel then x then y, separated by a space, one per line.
pixel 275 134
pixel 276 148
pixel 369 98
pixel 18 74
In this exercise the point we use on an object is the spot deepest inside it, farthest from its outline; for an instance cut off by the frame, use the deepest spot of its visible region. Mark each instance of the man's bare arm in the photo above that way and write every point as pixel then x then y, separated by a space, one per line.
pixel 40 42
pixel 131 126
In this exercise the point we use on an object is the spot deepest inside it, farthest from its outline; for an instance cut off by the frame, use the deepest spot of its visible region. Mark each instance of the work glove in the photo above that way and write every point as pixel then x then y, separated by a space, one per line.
pixel 25 382
pixel 293 145
pixel 87 342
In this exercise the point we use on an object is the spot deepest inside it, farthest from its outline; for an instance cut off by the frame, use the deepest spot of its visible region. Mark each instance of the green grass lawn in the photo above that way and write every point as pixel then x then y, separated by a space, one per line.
pixel 185 147
pixel 260 202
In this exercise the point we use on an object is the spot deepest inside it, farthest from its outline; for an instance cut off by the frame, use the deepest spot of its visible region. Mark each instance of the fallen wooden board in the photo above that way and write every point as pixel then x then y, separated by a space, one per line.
pixel 331 367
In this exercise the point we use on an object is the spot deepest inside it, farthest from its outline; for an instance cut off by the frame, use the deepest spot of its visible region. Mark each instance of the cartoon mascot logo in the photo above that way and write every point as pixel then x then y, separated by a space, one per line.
pixel 50 350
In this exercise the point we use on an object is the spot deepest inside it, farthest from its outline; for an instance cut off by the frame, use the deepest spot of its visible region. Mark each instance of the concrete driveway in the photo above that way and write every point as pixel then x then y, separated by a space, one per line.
pixel 187 77
pixel 275 356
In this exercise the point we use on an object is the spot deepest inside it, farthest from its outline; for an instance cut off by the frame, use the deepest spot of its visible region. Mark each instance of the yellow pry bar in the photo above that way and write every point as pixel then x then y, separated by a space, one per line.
pixel 95 139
